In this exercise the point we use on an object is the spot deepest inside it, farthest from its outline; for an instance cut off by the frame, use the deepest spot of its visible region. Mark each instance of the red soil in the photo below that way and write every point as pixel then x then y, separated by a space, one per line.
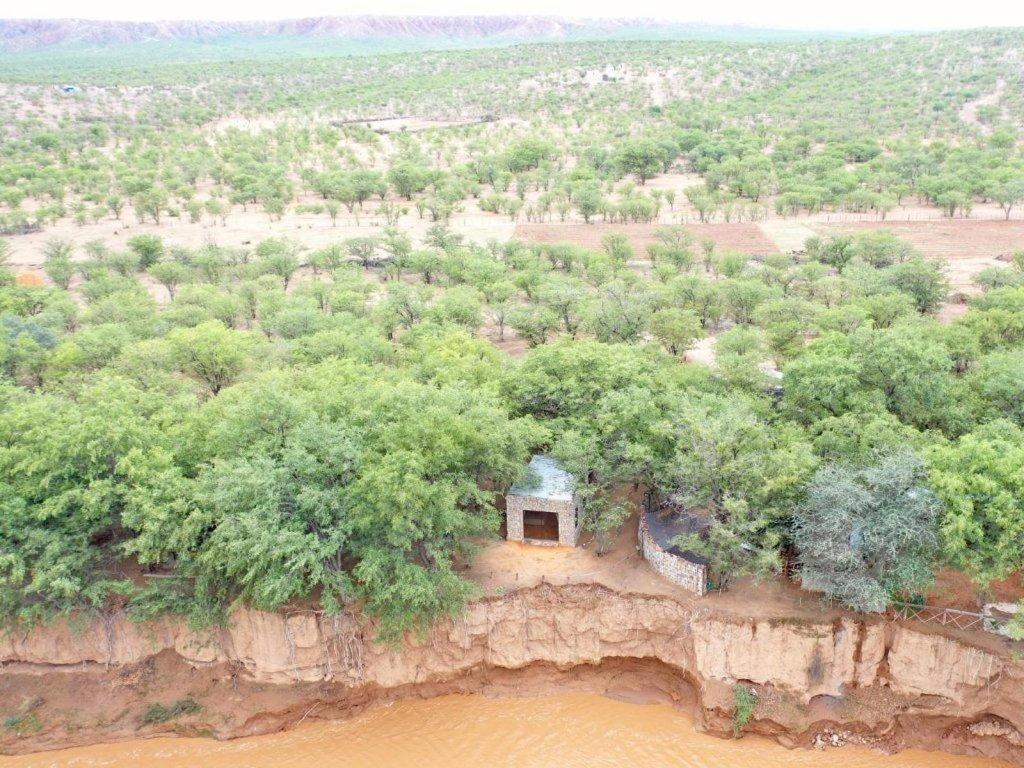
pixel 950 239
pixel 954 589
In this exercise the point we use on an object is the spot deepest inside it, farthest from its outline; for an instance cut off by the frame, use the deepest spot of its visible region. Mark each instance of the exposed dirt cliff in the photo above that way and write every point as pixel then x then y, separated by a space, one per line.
pixel 886 684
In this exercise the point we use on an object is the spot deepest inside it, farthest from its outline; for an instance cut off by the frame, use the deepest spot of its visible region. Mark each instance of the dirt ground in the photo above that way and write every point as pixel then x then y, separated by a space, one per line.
pixel 744 238
pixel 503 566
pixel 967 246
pixel 969 111
pixel 955 589
pixel 703 351
pixel 247 228
pixel 788 235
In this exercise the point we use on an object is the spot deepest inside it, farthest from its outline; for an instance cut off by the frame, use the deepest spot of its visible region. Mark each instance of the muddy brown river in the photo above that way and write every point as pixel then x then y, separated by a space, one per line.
pixel 565 731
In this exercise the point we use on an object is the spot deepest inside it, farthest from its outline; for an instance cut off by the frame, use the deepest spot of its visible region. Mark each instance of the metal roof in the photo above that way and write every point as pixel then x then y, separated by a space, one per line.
pixel 544 479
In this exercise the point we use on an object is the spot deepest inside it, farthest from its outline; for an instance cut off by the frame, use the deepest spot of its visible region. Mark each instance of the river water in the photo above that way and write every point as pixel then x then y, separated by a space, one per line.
pixel 564 731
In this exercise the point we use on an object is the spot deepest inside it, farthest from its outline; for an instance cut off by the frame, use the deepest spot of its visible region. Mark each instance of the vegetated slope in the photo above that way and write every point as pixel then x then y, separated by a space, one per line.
pixel 32 34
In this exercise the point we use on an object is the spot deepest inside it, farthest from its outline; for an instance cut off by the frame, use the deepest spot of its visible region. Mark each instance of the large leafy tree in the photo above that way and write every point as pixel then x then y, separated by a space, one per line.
pixel 998 381
pixel 346 485
pixel 611 408
pixel 910 368
pixel 980 479
pixel 211 353
pixel 868 535
pixel 63 486
pixel 642 158
pixel 745 475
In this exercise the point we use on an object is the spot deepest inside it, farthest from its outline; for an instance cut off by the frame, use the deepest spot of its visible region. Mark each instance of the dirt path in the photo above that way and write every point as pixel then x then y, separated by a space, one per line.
pixel 969 111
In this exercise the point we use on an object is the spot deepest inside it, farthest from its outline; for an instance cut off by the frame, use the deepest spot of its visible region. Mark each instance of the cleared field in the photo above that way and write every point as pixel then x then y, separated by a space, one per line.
pixel 965 245
pixel 744 238
pixel 243 229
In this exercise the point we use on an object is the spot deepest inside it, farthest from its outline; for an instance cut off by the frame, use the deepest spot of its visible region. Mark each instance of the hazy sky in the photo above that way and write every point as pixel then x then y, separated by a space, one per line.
pixel 800 14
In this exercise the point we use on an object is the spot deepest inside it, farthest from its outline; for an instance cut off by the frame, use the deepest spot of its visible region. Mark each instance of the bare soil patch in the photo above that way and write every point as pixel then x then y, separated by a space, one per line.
pixel 969 111
pixel 967 246
pixel 955 589
pixel 413 124
pixel 788 235
pixel 744 238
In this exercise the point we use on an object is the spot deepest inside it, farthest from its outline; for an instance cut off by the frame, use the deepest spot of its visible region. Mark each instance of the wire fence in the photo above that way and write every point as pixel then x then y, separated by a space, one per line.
pixel 895 217
pixel 687 217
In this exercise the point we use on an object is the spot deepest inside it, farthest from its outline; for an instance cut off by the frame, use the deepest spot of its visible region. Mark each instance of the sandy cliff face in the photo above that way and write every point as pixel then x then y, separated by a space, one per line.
pixel 885 684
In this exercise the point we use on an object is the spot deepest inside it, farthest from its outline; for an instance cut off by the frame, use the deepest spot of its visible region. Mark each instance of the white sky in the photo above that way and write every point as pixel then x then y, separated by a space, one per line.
pixel 779 14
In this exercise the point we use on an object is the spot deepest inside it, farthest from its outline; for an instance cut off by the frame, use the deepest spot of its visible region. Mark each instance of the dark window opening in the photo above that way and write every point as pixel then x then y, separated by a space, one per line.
pixel 540 525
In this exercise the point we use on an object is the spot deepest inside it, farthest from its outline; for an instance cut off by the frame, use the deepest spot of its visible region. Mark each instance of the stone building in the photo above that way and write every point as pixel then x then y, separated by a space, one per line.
pixel 542 508
pixel 658 529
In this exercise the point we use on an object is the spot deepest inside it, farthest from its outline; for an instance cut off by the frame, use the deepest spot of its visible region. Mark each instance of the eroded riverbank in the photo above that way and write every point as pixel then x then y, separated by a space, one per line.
pixel 889 686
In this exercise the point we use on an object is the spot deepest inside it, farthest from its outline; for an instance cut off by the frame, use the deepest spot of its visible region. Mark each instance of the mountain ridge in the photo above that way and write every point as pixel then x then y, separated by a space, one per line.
pixel 25 35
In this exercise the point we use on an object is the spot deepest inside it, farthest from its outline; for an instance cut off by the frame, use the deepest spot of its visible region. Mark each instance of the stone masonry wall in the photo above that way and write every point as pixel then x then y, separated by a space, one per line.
pixel 692 576
pixel 568 528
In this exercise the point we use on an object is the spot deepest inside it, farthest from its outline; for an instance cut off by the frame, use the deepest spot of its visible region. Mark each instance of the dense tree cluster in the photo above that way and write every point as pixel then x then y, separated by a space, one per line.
pixel 331 421
pixel 341 436
pixel 861 126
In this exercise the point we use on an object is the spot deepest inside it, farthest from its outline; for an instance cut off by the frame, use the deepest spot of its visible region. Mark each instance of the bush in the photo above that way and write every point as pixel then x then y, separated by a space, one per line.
pixel 26 723
pixel 158 713
pixel 744 701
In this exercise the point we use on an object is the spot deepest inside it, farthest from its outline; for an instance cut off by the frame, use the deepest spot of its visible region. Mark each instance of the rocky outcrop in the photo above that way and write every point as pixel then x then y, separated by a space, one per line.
pixel 895 684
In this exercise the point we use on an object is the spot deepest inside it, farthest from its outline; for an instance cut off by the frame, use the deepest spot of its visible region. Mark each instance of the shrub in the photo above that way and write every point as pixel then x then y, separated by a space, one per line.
pixel 158 713
pixel 744 702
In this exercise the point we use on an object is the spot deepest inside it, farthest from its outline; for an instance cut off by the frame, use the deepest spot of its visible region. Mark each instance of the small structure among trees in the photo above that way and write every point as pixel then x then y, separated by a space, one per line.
pixel 660 529
pixel 542 508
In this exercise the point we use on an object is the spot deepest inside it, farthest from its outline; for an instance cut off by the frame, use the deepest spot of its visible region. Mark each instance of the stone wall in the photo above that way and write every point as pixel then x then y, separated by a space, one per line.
pixel 568 525
pixel 692 576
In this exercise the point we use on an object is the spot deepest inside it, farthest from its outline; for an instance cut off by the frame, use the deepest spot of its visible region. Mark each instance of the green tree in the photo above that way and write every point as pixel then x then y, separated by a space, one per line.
pixel 618 313
pixel 149 249
pixel 998 382
pixel 746 475
pixel 57 262
pixel 408 179
pixel 362 249
pixel 210 353
pixel 676 329
pixel 978 478
pixel 1009 195
pixel 533 323
pixel 642 158
pixel 588 201
pixel 868 536
pixel 921 280
pixel 62 488
pixel 618 247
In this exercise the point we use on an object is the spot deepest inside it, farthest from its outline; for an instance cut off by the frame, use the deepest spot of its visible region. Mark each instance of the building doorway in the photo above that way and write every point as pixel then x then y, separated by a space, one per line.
pixel 542 526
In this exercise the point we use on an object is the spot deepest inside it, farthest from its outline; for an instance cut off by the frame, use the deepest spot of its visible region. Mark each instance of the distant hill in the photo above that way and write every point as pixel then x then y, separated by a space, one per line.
pixel 361 33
